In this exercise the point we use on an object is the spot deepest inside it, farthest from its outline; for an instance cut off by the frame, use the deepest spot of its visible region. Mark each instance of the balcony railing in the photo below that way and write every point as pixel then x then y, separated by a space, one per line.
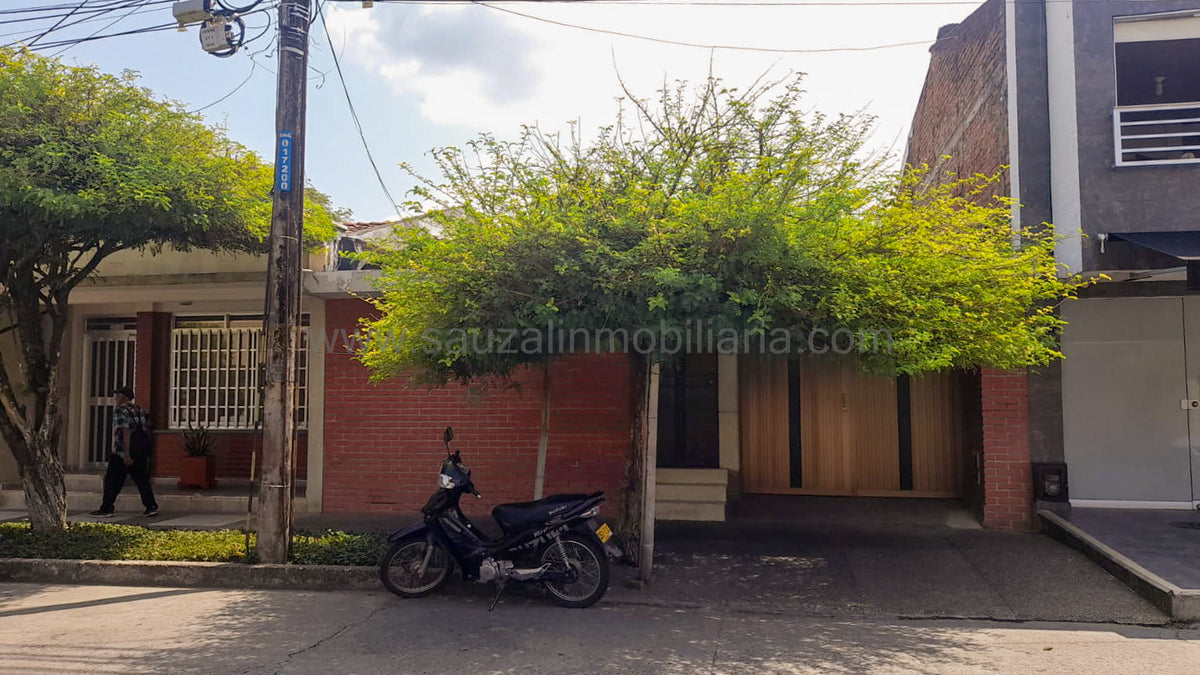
pixel 1157 134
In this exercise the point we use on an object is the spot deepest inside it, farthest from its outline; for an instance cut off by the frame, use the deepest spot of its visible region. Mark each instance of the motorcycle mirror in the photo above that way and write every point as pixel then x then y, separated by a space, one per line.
pixel 449 435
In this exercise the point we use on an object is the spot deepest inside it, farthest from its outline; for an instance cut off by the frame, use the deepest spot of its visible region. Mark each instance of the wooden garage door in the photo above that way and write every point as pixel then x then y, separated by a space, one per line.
pixel 821 427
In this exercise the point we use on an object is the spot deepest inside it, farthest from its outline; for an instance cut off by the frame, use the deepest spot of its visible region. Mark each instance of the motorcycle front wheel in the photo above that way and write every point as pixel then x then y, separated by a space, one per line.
pixel 401 568
pixel 586 571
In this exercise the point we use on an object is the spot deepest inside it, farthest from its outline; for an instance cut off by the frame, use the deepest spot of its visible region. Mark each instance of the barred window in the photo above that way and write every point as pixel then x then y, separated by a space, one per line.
pixel 216 374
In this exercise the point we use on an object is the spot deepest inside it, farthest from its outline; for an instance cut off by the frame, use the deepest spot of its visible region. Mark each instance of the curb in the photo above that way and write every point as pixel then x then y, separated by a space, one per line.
pixel 1181 604
pixel 190 574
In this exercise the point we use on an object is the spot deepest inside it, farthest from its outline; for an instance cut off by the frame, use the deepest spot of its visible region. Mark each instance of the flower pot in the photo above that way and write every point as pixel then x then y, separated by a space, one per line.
pixel 198 472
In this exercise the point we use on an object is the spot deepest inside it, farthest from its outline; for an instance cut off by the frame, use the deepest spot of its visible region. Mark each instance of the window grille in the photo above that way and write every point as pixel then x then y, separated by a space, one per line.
pixel 216 375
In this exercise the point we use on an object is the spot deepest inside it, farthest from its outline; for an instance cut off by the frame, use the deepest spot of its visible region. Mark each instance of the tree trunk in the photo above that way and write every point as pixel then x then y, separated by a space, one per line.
pixel 45 488
pixel 634 521
pixel 539 481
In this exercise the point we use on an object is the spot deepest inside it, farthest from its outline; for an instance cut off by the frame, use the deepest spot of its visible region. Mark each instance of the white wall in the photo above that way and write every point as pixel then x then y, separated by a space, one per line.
pixel 172 261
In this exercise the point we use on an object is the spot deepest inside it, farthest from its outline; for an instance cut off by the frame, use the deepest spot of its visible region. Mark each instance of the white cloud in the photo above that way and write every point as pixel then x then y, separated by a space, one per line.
pixel 476 67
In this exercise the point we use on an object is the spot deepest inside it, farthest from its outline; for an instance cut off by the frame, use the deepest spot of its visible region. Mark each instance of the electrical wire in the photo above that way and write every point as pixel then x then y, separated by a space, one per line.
pixel 817 50
pixel 58 23
pixel 53 8
pixel 89 12
pixel 354 114
pixel 91 38
pixel 136 31
pixel 96 12
pixel 103 28
pixel 253 67
pixel 139 7
pixel 726 3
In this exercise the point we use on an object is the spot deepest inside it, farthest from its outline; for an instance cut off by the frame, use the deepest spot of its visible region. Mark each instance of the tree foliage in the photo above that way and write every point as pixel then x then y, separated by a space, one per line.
pixel 738 209
pixel 92 164
pixel 740 212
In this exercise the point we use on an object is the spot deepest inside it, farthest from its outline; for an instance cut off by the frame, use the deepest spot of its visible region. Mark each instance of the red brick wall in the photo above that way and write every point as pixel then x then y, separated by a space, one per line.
pixel 961 122
pixel 961 127
pixel 383 441
pixel 152 372
pixel 232 453
pixel 1007 485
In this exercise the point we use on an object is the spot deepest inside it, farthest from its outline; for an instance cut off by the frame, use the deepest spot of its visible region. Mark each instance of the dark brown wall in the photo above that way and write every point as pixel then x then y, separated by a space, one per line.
pixel 961 122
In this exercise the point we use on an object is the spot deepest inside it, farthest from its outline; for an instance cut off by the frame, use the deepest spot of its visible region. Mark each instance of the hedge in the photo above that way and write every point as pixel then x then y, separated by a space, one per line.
pixel 105 541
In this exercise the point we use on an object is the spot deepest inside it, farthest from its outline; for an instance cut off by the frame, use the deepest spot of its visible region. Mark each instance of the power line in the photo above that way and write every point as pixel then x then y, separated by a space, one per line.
pixel 725 3
pixel 91 13
pixel 819 50
pixel 136 31
pixel 58 23
pixel 106 26
pixel 49 8
pixel 253 67
pixel 354 114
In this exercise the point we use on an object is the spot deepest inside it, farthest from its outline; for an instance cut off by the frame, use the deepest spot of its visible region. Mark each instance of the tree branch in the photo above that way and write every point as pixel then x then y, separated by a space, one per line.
pixel 13 423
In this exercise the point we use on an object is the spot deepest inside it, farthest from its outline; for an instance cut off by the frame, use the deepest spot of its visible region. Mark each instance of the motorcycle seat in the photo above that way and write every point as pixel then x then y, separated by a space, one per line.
pixel 518 515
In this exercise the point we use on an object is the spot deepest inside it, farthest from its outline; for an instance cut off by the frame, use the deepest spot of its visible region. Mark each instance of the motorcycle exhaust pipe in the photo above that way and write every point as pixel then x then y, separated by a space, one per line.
pixel 528 574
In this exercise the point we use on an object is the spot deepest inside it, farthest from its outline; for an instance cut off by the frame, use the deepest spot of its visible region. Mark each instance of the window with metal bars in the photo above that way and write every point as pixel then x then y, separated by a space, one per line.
pixel 216 375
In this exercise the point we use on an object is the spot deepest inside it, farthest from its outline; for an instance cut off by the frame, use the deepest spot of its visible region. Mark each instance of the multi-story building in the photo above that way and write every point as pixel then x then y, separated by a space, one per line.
pixel 1093 109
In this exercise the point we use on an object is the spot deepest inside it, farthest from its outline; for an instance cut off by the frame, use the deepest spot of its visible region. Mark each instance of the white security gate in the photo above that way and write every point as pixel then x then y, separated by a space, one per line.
pixel 109 364
pixel 1131 401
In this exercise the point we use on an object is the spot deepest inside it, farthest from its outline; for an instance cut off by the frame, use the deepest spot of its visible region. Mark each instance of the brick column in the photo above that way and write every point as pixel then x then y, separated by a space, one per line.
pixel 153 376
pixel 1007 491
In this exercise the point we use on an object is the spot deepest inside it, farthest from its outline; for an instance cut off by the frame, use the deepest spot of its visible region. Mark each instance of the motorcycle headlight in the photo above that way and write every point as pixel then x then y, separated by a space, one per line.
pixel 445 481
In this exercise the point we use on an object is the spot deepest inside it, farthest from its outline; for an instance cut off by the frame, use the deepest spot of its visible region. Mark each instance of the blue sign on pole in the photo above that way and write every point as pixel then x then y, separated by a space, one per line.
pixel 283 163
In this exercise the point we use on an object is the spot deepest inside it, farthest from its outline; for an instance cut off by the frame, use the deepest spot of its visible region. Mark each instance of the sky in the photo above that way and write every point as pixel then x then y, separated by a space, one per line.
pixel 430 74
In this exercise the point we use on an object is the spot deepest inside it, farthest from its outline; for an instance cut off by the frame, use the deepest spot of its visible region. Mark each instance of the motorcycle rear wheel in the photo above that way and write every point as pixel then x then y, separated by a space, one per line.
pixel 399 570
pixel 588 565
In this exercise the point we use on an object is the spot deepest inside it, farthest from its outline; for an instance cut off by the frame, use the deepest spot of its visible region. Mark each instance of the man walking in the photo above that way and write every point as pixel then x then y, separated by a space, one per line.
pixel 130 455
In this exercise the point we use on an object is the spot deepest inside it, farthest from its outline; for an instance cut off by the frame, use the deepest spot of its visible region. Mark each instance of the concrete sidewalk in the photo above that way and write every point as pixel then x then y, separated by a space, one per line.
pixel 99 629
pixel 1153 552
pixel 890 571
pixel 1165 542
pixel 884 567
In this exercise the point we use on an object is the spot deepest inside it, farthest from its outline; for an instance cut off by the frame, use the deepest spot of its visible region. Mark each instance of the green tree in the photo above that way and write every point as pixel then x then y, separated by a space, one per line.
pixel 738 209
pixel 92 164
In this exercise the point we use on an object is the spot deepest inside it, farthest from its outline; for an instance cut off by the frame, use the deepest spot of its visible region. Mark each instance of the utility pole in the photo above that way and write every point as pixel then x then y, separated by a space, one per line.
pixel 283 286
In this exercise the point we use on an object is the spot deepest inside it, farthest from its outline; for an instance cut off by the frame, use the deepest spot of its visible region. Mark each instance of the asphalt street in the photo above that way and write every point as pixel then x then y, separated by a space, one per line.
pixel 103 629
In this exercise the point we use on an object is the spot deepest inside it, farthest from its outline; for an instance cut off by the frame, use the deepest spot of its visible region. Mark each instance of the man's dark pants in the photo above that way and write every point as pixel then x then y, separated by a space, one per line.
pixel 114 480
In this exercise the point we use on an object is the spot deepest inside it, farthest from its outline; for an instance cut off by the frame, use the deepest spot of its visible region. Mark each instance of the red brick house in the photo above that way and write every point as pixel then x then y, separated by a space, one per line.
pixel 185 330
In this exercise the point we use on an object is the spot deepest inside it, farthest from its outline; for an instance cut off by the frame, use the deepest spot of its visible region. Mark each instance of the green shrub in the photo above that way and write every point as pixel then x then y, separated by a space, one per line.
pixel 104 541
pixel 337 548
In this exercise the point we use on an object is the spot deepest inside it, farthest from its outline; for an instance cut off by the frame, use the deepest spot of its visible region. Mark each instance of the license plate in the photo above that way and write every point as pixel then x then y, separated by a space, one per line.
pixel 604 533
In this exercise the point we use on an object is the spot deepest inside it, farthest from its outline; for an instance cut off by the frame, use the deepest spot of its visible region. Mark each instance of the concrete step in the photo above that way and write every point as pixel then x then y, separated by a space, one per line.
pixel 94 482
pixel 691 476
pixel 84 482
pixel 696 492
pixel 12 498
pixel 695 511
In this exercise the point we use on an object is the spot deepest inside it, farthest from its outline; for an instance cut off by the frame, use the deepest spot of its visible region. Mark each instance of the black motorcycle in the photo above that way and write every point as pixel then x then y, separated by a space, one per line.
pixel 555 542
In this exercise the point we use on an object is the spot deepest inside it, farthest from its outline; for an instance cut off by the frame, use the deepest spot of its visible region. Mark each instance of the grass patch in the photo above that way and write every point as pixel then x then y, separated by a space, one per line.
pixel 103 541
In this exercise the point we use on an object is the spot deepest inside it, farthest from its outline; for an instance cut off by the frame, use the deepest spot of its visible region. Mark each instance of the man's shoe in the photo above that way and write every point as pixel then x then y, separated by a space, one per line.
pixel 101 513
pixel 152 511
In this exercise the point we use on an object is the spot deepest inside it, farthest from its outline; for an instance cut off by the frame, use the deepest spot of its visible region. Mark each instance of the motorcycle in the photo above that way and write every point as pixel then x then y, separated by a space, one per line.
pixel 555 542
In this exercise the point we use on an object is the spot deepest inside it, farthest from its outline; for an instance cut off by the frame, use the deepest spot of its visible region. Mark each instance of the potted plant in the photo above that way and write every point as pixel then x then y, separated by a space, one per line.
pixel 198 470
